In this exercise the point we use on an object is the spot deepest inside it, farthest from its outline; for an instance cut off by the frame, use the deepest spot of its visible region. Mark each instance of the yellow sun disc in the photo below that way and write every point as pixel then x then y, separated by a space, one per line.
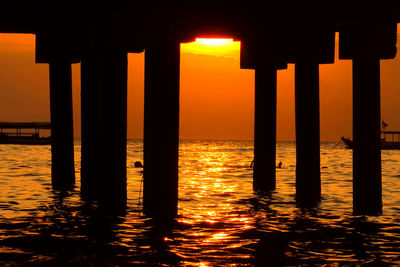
pixel 213 41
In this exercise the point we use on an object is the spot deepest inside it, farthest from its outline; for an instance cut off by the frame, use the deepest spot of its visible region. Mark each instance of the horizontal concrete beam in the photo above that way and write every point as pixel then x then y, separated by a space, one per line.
pixel 50 46
pixel 282 32
pixel 371 38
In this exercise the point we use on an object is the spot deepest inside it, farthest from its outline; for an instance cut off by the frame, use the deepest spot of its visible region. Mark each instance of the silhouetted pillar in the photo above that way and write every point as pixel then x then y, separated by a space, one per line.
pixel 308 180
pixel 367 181
pixel 62 136
pixel 104 125
pixel 161 129
pixel 264 128
pixel 91 87
pixel 114 126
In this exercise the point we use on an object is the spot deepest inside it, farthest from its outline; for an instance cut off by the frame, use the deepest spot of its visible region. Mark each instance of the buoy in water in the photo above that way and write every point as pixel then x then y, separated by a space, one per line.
pixel 138 164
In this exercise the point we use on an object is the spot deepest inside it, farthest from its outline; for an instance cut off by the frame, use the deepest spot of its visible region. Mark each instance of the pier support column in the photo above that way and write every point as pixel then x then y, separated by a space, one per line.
pixel 264 128
pixel 114 126
pixel 61 116
pixel 104 124
pixel 367 179
pixel 161 129
pixel 91 87
pixel 308 179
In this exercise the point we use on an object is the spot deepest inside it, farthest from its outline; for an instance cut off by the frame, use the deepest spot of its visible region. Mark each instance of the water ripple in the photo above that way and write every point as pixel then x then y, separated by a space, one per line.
pixel 220 222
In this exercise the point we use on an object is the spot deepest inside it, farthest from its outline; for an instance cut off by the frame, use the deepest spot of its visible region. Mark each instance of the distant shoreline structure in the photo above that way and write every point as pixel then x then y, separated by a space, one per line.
pixel 390 140
pixel 16 133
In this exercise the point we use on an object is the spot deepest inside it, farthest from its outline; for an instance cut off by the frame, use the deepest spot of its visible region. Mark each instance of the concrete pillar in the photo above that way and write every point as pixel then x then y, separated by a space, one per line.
pixel 113 112
pixel 104 124
pixel 161 129
pixel 367 180
pixel 264 128
pixel 91 87
pixel 308 180
pixel 62 136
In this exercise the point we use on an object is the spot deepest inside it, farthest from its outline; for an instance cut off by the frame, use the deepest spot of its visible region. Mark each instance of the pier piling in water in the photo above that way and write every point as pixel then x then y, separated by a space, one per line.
pixel 265 128
pixel 114 127
pixel 104 126
pixel 315 45
pixel 91 83
pixel 366 56
pixel 308 178
pixel 161 129
pixel 367 178
pixel 62 136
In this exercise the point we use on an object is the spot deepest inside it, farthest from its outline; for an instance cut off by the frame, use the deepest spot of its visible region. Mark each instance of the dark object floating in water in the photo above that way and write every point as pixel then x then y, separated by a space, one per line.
pixel 348 142
pixel 279 166
pixel 138 164
pixel 389 140
pixel 19 137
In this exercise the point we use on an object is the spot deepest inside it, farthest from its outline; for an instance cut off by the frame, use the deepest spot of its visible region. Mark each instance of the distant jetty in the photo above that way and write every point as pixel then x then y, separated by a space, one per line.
pixel 390 140
pixel 24 133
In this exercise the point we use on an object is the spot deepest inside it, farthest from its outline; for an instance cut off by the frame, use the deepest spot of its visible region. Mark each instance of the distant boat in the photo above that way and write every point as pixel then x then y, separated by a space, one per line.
pixel 389 140
pixel 24 133
pixel 348 142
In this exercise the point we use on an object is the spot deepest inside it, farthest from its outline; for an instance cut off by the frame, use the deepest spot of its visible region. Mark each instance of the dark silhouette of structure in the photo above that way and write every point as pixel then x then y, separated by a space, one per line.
pixel 273 34
pixel 138 164
pixel 12 133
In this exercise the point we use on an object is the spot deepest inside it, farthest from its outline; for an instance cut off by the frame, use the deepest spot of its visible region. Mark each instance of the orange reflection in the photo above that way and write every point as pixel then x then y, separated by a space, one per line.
pixel 220 236
pixel 213 214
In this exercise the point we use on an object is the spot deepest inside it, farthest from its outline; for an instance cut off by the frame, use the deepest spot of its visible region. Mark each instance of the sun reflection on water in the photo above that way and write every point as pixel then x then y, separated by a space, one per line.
pixel 220 219
pixel 214 197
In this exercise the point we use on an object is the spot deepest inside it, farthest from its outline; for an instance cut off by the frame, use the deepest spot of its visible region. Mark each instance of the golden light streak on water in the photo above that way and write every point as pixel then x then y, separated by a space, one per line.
pixel 220 222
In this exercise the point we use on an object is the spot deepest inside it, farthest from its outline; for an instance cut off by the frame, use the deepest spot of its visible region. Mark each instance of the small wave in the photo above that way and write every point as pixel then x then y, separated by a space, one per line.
pixel 238 166
pixel 225 194
pixel 31 174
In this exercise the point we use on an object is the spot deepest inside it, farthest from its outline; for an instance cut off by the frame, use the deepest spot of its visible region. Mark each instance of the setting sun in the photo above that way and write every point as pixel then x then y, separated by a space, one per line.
pixel 213 46
pixel 214 41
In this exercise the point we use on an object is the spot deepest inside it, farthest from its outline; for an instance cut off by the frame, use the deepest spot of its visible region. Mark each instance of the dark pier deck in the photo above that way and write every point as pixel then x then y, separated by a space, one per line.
pixel 272 34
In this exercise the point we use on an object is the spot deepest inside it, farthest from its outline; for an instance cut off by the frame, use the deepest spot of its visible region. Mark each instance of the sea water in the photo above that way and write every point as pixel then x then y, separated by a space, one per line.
pixel 220 221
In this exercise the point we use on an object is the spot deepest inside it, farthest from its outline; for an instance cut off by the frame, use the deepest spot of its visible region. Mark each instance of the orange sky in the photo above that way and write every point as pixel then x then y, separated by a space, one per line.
pixel 216 96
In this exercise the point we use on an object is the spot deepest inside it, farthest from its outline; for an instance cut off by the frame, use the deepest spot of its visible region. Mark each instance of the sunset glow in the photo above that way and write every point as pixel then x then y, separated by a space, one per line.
pixel 214 41
pixel 217 97
pixel 221 47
